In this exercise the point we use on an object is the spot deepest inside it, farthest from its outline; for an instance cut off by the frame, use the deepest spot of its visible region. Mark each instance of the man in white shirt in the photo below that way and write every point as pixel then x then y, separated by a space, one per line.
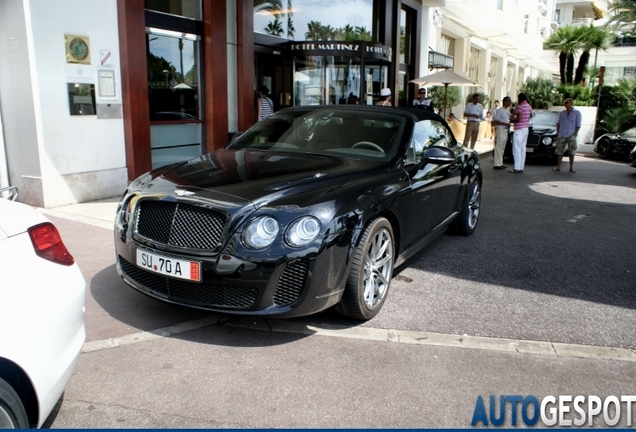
pixel 493 110
pixel 501 121
pixel 474 112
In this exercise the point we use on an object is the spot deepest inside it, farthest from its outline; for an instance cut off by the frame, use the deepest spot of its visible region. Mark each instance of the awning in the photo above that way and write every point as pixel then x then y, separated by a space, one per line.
pixel 476 21
pixel 598 11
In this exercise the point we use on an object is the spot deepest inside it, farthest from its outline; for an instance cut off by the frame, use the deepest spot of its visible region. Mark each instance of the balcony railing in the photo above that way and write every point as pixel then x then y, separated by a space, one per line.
pixel 582 21
pixel 437 60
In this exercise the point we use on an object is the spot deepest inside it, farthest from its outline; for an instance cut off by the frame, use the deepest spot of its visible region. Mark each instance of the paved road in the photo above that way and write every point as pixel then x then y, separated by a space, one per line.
pixel 551 266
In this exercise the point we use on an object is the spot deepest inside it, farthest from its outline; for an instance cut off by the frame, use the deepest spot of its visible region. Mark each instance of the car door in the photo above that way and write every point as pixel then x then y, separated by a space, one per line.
pixel 434 186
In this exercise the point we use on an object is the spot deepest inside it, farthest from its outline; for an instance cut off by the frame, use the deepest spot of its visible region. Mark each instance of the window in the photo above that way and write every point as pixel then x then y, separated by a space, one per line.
pixel 426 133
pixel 173 75
pixel 183 8
pixel 557 15
pixel 406 71
pixel 629 72
pixel 174 92
pixel 473 65
pixel 311 20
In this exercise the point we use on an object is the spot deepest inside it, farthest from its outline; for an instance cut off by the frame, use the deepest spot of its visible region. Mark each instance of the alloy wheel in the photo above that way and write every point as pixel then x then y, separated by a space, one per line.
pixel 378 267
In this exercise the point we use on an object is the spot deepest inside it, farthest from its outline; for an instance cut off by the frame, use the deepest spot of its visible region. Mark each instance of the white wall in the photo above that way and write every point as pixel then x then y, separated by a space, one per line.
pixel 76 158
pixel 16 103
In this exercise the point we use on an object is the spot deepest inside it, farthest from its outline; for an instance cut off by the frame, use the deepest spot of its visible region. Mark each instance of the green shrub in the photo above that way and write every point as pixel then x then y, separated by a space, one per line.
pixel 541 93
pixel 581 96
pixel 617 107
pixel 436 94
pixel 483 98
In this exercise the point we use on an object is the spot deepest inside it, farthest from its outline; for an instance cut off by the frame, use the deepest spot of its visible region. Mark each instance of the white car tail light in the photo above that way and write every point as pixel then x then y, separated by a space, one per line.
pixel 48 244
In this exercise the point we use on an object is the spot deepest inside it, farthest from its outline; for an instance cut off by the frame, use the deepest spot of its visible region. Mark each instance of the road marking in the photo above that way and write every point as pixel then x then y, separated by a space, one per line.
pixel 374 334
pixel 577 218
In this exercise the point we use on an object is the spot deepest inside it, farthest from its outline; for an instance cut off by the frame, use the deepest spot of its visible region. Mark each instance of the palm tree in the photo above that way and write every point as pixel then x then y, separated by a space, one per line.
pixel 328 33
pixel 314 30
pixel 290 20
pixel 346 33
pixel 624 17
pixel 267 5
pixel 591 38
pixel 274 28
pixel 565 40
pixel 363 34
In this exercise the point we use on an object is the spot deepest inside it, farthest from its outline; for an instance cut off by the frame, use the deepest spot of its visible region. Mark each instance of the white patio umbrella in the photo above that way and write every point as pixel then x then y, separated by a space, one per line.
pixel 446 78
pixel 182 86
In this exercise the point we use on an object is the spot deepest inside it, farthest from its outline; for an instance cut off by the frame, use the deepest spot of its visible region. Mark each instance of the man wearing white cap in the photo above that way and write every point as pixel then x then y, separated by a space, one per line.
pixel 385 97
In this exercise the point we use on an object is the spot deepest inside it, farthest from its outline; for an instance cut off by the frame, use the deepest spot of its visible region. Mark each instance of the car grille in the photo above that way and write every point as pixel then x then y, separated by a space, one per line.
pixel 291 282
pixel 179 224
pixel 194 294
pixel 533 140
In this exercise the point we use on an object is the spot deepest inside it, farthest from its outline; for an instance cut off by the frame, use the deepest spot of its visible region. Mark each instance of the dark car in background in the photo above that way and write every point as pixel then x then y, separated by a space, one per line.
pixel 541 136
pixel 616 145
pixel 308 209
pixel 632 157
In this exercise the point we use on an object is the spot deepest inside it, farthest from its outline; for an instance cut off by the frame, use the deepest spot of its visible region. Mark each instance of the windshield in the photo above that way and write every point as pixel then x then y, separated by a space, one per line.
pixel 545 118
pixel 347 133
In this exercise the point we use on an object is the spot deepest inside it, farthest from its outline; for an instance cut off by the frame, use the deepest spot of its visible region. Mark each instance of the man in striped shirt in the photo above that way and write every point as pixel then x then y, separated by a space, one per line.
pixel 521 119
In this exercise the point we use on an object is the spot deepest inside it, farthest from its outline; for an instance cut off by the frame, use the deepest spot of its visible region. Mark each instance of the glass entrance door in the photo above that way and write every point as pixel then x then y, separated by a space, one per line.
pixel 326 80
pixel 376 78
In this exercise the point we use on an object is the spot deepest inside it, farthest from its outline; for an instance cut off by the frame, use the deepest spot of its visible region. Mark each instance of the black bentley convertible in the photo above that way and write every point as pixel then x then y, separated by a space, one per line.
pixel 312 208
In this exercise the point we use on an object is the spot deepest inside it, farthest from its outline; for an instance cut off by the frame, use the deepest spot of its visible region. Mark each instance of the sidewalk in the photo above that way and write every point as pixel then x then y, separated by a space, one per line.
pixel 101 213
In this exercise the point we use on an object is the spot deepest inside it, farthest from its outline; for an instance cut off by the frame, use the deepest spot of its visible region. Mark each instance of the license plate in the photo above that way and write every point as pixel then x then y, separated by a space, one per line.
pixel 529 150
pixel 176 268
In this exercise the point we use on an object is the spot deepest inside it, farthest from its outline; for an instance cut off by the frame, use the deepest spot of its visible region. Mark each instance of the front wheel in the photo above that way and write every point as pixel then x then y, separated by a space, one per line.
pixel 604 149
pixel 466 221
pixel 371 272
pixel 12 412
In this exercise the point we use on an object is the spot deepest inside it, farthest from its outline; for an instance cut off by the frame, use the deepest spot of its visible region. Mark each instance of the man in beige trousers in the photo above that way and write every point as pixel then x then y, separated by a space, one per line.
pixel 501 120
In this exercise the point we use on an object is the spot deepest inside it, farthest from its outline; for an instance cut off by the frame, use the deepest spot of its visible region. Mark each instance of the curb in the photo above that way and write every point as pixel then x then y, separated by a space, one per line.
pixel 513 346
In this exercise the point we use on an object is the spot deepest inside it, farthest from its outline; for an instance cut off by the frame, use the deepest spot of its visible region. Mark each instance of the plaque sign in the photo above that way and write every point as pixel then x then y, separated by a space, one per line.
pixel 108 111
pixel 77 49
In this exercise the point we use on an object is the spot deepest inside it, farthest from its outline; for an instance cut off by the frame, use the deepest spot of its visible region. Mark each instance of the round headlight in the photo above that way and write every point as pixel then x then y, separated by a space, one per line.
pixel 260 232
pixel 302 231
pixel 547 140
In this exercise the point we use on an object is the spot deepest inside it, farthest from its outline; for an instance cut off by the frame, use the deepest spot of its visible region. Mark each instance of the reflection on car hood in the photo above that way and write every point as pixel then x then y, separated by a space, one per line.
pixel 544 129
pixel 257 176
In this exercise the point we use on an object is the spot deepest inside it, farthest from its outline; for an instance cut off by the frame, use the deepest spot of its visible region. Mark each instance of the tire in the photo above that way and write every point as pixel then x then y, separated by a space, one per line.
pixel 12 412
pixel 604 149
pixel 371 272
pixel 466 222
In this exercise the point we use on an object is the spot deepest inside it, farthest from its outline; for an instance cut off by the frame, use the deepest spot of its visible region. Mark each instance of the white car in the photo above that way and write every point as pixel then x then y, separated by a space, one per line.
pixel 42 331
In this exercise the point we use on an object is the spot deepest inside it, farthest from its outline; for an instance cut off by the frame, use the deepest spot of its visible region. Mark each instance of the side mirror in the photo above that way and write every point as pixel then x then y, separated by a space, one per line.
pixel 438 155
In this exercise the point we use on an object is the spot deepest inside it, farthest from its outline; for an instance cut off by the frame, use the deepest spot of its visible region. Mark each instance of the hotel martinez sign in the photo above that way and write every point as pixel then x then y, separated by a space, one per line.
pixel 333 48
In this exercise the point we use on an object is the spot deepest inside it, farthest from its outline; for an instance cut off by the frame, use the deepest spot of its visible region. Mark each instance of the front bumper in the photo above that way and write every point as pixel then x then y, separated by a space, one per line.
pixel 279 281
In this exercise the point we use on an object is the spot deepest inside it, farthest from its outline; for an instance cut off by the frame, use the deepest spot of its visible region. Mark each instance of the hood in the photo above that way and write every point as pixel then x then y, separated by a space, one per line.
pixel 256 176
pixel 544 129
